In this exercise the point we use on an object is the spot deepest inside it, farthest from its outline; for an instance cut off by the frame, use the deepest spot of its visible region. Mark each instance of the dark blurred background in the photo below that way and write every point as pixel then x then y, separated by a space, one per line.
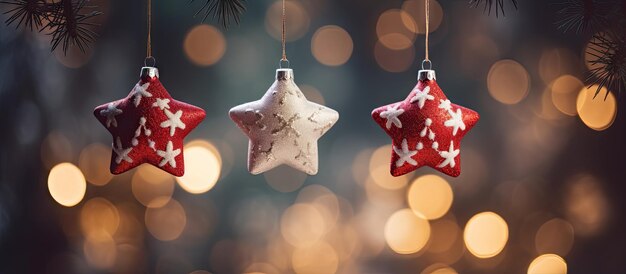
pixel 540 190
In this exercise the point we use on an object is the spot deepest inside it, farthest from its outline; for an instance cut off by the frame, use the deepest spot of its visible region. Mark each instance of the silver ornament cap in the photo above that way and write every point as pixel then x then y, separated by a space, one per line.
pixel 426 74
pixel 283 74
pixel 150 72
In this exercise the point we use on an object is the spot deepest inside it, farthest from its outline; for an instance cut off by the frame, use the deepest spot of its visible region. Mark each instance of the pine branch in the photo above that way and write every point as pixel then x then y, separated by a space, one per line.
pixel 608 51
pixel 582 15
pixel 68 24
pixel 223 10
pixel 488 5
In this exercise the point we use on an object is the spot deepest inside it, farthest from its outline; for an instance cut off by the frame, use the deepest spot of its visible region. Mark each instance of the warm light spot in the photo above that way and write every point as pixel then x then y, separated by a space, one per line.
pixel 593 49
pixel 66 184
pixel 302 225
pixel 439 269
pixel 285 179
pixel 152 186
pixel 203 165
pixel 166 223
pixel 261 268
pixel 324 200
pixel 406 233
pixel 394 60
pixel 557 62
pixel 297 20
pixel 94 162
pixel 597 113
pixel 97 216
pixel 396 29
pixel 331 45
pixel 508 82
pixel 204 45
pixel 486 234
pixel 56 148
pixel 586 205
pixel 430 196
pixel 548 264
pixel 320 258
pixel 379 170
pixel 565 90
pixel 555 236
pixel 100 250
pixel 312 94
pixel 417 11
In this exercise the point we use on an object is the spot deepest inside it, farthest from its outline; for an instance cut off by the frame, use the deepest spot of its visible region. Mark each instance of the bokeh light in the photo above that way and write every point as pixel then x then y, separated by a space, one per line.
pixel 204 45
pixel 56 148
pixel 396 29
pixel 445 233
pixel 320 258
pixel 565 90
pixel 394 60
pixel 548 264
pixel 302 225
pixel 554 63
pixel 430 196
pixel 297 20
pixel 152 186
pixel 99 216
pixel 486 234
pixel 586 205
pixel 203 165
pixel 439 268
pixel 406 233
pixel 555 236
pixel 331 45
pixel 94 162
pixel 508 81
pixel 100 250
pixel 313 94
pixel 417 10
pixel 597 113
pixel 66 184
pixel 166 223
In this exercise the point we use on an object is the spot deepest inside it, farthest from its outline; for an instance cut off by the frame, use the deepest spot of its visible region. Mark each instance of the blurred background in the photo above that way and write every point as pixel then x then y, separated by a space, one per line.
pixel 540 192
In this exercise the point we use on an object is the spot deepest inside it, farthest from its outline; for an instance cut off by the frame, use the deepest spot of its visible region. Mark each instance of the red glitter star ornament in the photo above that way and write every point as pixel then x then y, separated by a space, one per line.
pixel 148 126
pixel 426 129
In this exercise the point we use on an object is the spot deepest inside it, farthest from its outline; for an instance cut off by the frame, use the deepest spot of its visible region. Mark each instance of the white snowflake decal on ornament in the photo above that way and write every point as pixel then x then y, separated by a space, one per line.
pixel 428 131
pixel 161 103
pixel 173 121
pixel 391 115
pixel 140 91
pixel 445 104
pixel 141 128
pixel 168 155
pixel 449 156
pixel 456 121
pixel 405 154
pixel 421 96
pixel 122 153
pixel 110 112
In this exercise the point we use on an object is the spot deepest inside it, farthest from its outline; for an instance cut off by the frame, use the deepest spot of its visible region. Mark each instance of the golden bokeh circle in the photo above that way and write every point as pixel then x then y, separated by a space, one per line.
pixel 486 234
pixel 430 196
pixel 152 186
pixel 100 250
pixel 166 223
pixel 98 215
pixel 379 170
pixel 394 60
pixel 203 165
pixel 302 225
pixel 406 233
pixel 331 45
pixel 565 90
pixel 396 29
pixel 67 184
pixel 418 12
pixel 204 45
pixel 94 162
pixel 597 113
pixel 508 82
pixel 555 236
pixel 320 258
pixel 548 263
pixel 297 20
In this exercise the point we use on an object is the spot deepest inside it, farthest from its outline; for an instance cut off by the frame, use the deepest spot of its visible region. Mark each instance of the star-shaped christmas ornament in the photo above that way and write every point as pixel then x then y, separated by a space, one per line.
pixel 283 127
pixel 426 129
pixel 148 126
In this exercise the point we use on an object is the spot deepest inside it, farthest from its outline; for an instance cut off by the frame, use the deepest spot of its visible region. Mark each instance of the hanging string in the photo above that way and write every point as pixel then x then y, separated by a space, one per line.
pixel 427 10
pixel 149 45
pixel 283 40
